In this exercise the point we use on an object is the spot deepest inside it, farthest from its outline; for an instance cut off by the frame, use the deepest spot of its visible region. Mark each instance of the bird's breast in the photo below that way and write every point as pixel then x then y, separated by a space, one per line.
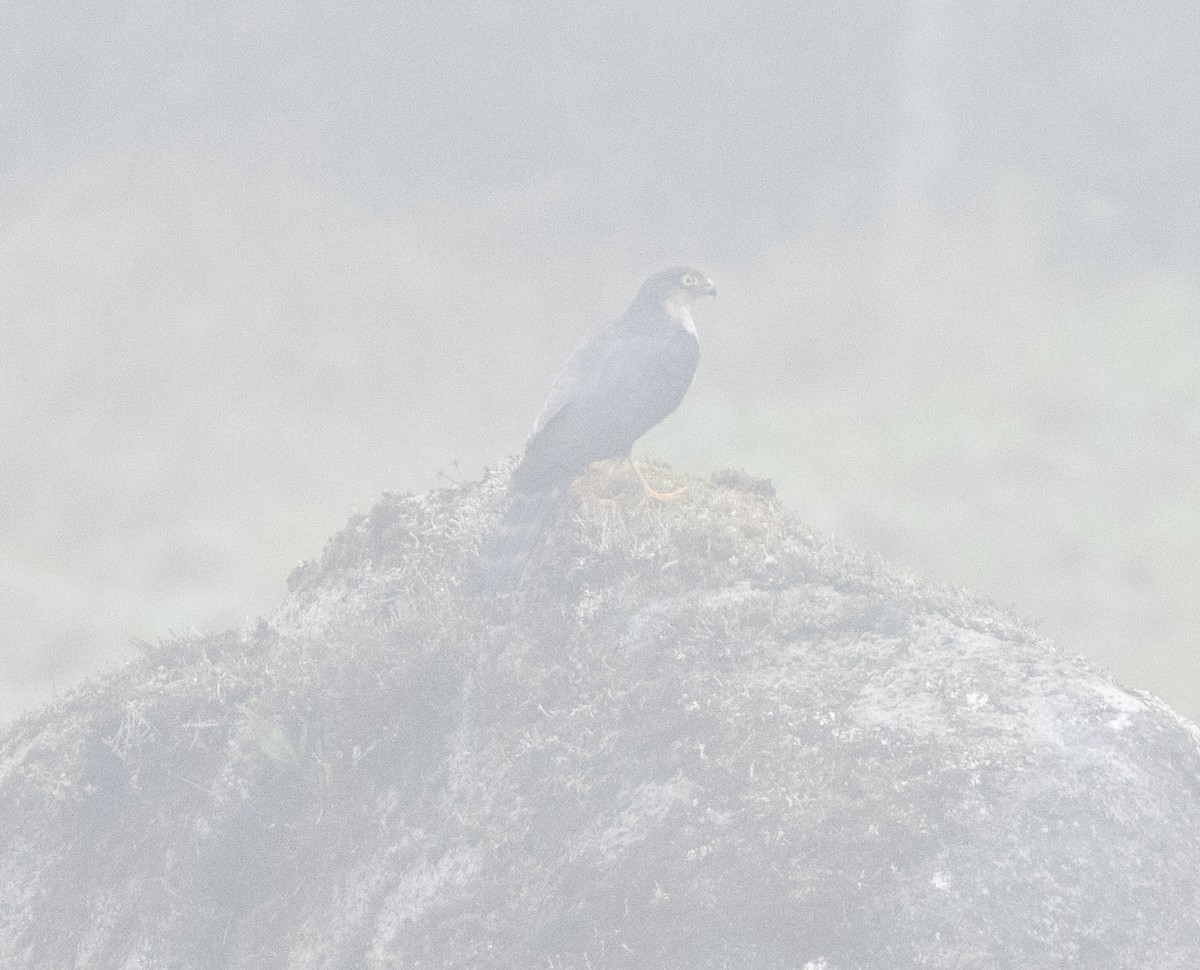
pixel 681 316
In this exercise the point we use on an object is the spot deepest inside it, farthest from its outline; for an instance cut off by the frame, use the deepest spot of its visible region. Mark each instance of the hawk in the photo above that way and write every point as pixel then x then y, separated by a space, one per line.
pixel 617 386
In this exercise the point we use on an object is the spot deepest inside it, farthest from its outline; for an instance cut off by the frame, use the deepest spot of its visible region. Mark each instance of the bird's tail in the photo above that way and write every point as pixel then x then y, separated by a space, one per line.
pixel 503 555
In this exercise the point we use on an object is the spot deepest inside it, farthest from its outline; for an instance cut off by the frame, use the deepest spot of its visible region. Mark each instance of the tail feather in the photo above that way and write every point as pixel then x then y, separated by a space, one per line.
pixel 504 553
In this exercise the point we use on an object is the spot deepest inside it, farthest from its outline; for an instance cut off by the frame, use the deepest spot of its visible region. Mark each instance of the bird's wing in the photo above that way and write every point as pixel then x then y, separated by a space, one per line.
pixel 616 388
pixel 575 375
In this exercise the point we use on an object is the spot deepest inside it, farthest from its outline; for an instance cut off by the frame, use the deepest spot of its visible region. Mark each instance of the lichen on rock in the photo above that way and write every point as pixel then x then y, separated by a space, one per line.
pixel 700 735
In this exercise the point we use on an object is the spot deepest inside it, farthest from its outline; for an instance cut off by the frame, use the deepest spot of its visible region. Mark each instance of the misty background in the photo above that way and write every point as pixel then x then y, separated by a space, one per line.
pixel 260 263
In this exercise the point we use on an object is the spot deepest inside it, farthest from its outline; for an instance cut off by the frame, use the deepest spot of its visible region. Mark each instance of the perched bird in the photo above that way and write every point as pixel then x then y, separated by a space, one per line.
pixel 617 386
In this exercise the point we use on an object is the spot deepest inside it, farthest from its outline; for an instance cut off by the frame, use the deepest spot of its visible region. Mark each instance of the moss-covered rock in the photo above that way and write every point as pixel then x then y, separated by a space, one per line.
pixel 699 736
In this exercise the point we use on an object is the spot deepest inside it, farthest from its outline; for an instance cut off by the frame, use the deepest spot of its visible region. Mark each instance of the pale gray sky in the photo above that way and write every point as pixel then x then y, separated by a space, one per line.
pixel 260 263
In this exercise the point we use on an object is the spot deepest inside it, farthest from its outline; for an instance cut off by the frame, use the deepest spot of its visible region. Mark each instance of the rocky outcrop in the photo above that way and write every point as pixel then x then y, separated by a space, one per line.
pixel 701 736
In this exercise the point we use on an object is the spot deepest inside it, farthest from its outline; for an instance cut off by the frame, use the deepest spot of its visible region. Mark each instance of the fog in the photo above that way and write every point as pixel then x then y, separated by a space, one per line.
pixel 259 265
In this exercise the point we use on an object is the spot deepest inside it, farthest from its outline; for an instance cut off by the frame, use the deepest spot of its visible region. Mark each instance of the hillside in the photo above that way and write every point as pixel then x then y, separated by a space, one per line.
pixel 701 737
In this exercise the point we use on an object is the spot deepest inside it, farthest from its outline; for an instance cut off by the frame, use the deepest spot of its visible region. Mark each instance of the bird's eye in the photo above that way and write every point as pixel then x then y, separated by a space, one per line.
pixel 688 280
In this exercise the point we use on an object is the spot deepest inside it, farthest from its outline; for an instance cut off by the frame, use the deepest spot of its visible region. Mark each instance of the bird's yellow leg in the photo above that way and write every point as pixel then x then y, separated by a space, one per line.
pixel 652 492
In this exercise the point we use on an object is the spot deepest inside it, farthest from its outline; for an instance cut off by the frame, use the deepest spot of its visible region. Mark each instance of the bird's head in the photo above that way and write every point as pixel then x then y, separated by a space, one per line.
pixel 675 290
pixel 680 285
